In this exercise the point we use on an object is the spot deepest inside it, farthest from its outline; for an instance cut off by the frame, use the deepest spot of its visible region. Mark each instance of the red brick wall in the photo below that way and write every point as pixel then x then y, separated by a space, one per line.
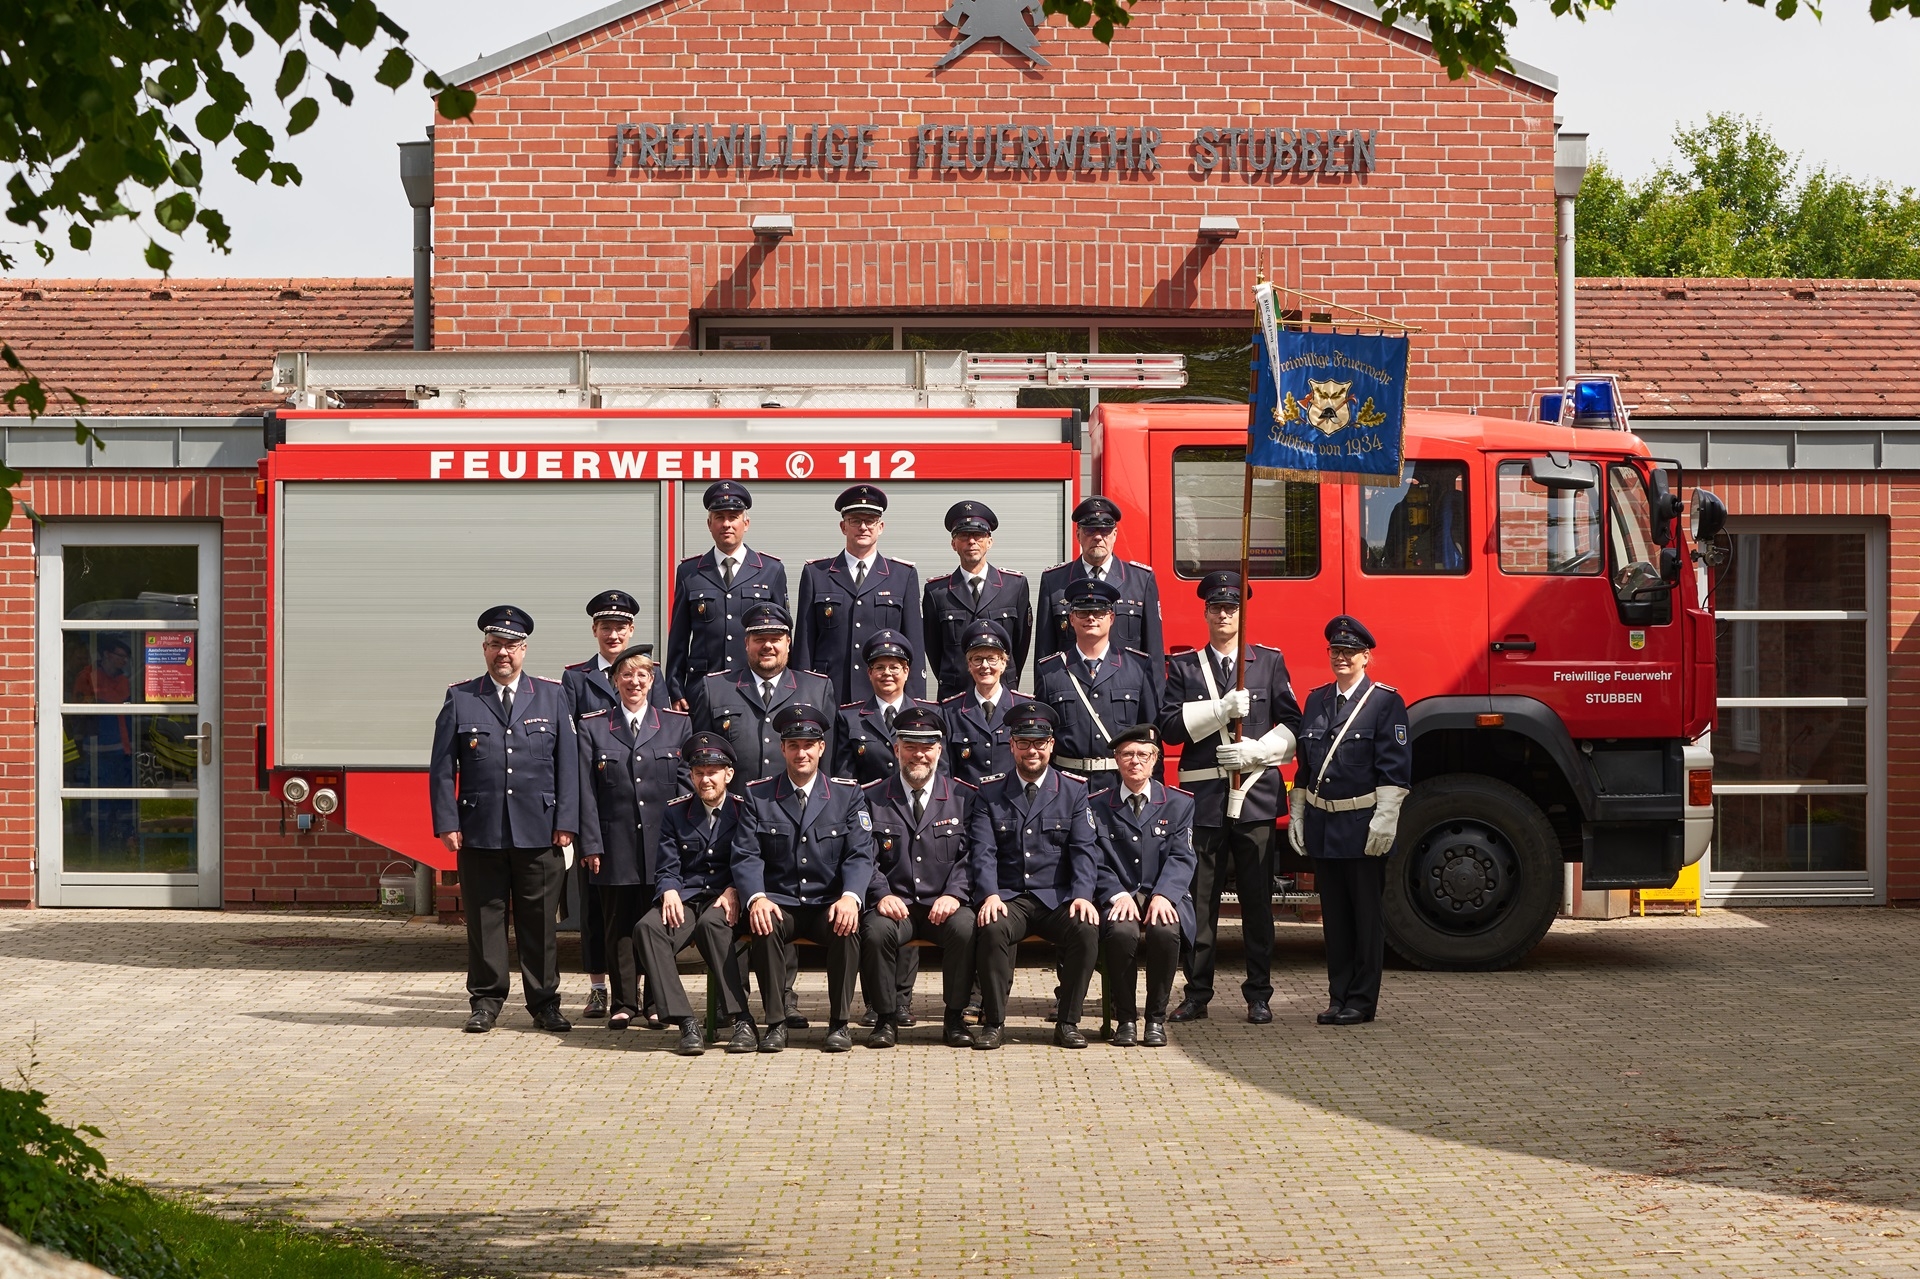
pixel 1897 498
pixel 538 242
pixel 260 865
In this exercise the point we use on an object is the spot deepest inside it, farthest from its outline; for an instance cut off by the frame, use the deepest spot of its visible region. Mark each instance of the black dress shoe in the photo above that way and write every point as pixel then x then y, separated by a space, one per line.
pixel 480 1023
pixel 1329 1017
pixel 1189 1011
pixel 1349 1017
pixel 1067 1035
pixel 796 1022
pixel 1123 1035
pixel 869 1018
pixel 549 1018
pixel 883 1035
pixel 654 1022
pixel 839 1039
pixel 775 1040
pixel 955 1031
pixel 1155 1036
pixel 988 1038
pixel 1259 1012
pixel 745 1038
pixel 903 1017
pixel 692 1042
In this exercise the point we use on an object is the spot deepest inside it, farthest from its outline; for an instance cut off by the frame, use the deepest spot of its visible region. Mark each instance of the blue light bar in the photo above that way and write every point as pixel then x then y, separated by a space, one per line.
pixel 1552 404
pixel 1596 403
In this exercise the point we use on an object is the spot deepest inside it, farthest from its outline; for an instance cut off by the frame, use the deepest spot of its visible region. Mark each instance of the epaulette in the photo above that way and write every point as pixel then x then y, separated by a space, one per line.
pixel 544 680
pixel 678 799
pixel 594 714
pixel 1050 657
pixel 765 781
pixel 1061 564
pixel 1386 688
pixel 848 706
pixel 879 782
pixel 969 786
pixel 1136 652
pixel 668 710
pixel 579 666
pixel 844 781
pixel 1010 572
pixel 991 777
pixel 956 697
pixel 1138 564
pixel 894 559
pixel 1179 791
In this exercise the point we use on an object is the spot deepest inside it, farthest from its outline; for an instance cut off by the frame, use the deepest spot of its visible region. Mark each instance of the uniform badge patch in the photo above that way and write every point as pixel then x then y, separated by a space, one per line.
pixel 866 822
pixel 828 612
pixel 1400 734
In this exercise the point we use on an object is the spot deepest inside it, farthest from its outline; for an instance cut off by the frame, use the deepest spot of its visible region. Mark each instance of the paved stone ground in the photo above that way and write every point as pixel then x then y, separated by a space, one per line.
pixel 1733 1095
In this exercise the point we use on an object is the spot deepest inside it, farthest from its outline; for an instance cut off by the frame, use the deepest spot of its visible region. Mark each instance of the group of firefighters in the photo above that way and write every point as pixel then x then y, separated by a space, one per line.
pixel 777 777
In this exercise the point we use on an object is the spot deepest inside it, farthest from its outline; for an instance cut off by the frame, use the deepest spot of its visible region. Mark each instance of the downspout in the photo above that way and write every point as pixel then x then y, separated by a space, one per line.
pixel 416 175
pixel 1569 169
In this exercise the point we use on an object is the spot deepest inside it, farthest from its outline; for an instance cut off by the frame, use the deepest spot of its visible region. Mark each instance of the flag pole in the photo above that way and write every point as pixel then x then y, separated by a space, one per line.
pixel 1246 548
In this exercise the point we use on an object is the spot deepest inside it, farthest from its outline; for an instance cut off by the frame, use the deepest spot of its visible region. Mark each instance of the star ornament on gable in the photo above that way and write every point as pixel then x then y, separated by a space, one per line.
pixel 1012 21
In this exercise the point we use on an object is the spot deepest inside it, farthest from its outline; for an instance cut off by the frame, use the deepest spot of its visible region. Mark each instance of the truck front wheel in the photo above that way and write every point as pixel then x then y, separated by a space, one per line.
pixel 1473 882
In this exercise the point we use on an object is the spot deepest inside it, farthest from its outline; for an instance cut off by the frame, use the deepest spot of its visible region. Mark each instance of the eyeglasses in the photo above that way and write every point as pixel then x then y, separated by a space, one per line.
pixel 503 646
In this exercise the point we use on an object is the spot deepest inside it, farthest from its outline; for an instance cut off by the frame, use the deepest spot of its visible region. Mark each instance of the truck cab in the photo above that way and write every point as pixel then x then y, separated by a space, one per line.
pixel 1525 583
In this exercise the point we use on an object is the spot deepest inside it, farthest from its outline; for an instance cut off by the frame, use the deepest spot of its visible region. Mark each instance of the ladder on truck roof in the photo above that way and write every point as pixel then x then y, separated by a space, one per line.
pixel 512 378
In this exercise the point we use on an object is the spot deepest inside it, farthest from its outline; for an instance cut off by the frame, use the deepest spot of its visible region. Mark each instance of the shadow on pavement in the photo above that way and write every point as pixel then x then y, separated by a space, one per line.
pixel 1775 1051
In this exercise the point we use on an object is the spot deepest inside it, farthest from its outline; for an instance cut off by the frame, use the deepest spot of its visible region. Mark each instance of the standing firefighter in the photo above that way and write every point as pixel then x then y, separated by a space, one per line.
pixel 1097 689
pixel 1136 594
pixel 712 592
pixel 1355 770
pixel 848 598
pixel 504 784
pixel 1233 829
pixel 973 593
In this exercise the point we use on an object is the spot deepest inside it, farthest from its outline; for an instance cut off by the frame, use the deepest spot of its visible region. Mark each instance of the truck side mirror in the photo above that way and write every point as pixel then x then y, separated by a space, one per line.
pixel 1665 509
pixel 1637 579
pixel 1708 517
pixel 1560 473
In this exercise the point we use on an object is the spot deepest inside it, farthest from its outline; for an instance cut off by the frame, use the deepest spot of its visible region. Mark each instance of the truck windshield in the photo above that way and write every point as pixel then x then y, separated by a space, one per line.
pixel 1632 517
pixel 1206 517
pixel 1420 527
pixel 1550 531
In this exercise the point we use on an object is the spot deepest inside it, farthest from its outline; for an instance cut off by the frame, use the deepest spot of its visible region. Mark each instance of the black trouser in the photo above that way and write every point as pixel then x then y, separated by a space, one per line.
pixel 621 906
pixel 884 953
pixel 906 973
pixel 706 927
pixel 531 881
pixel 1246 848
pixel 592 921
pixel 1123 944
pixel 775 955
pixel 995 944
pixel 1351 891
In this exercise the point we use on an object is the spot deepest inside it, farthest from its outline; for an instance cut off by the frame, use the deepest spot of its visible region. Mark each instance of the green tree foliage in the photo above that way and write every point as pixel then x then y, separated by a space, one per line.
pixel 1734 203
pixel 1468 35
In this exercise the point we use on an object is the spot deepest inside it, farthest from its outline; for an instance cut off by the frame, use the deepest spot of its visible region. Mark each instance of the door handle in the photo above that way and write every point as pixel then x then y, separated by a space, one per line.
pixel 1513 646
pixel 205 738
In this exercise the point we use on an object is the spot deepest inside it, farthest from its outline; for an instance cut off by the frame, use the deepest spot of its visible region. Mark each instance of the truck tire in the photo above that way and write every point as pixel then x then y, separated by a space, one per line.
pixel 1474 879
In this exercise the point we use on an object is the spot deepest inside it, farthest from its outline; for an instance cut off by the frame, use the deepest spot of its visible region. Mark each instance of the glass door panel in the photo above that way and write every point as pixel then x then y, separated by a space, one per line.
pixel 134 817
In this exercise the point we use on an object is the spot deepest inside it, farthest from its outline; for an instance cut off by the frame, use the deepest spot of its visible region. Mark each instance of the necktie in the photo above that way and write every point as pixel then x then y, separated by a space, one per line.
pixel 986 713
pixel 633 725
pixel 1033 793
pixel 726 572
pixel 1226 672
pixel 919 806
pixel 859 575
pixel 1136 802
pixel 891 712
pixel 713 816
pixel 506 701
pixel 973 584
pixel 1339 707
pixel 766 692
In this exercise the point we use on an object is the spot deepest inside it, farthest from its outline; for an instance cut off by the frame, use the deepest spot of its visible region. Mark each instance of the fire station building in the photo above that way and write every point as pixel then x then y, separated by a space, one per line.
pixel 732 174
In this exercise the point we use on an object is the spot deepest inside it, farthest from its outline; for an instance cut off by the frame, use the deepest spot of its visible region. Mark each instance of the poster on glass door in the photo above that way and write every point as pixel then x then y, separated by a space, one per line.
pixel 169 666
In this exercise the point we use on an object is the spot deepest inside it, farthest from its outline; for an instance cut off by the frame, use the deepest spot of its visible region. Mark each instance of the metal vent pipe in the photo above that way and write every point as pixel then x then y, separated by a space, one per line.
pixel 1569 170
pixel 416 175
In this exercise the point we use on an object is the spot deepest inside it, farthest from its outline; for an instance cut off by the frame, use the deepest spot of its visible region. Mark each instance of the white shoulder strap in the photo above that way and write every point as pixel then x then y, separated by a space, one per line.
pixel 1098 723
pixel 1352 715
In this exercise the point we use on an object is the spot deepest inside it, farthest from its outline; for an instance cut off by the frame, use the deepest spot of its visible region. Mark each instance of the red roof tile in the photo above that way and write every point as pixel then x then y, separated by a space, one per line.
pixel 1755 348
pixel 191 347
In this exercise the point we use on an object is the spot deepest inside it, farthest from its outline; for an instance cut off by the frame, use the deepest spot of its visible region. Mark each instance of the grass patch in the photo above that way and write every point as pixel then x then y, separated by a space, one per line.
pixel 214 1247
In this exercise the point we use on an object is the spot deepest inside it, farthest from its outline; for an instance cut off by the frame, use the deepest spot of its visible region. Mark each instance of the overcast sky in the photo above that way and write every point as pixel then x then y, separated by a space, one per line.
pixel 1842 92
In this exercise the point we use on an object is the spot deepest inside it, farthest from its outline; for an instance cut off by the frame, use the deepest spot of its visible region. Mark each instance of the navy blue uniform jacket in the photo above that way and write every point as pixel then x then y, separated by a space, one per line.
pixel 1136 614
pixel 704 632
pixel 803 863
pixel 864 749
pixel 1376 751
pixel 1051 850
pixel 694 861
pixel 588 688
pixel 831 621
pixel 947 609
pixel 976 751
pixel 919 861
pixel 505 785
pixel 626 781
pixel 1272 695
pixel 730 706
pixel 1121 690
pixel 1151 854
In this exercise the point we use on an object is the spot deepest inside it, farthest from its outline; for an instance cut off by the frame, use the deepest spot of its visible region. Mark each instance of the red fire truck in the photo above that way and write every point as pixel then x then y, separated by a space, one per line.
pixel 1526 581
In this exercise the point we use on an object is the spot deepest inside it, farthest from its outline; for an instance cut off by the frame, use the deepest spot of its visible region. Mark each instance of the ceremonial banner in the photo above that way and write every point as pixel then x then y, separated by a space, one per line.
pixel 1336 411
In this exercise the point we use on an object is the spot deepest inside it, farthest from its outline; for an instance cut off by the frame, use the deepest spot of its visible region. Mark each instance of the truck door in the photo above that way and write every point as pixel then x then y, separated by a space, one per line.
pixel 1412 576
pixel 1578 617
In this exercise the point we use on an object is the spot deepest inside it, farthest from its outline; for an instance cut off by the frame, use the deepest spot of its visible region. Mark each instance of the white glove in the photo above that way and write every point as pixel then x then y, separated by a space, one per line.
pixel 1204 719
pixel 1297 820
pixel 1274 749
pixel 1235 703
pixel 1386 819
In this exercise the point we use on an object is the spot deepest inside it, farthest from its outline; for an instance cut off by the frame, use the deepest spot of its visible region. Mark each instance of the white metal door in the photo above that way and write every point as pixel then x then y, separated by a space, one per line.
pixel 129 697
